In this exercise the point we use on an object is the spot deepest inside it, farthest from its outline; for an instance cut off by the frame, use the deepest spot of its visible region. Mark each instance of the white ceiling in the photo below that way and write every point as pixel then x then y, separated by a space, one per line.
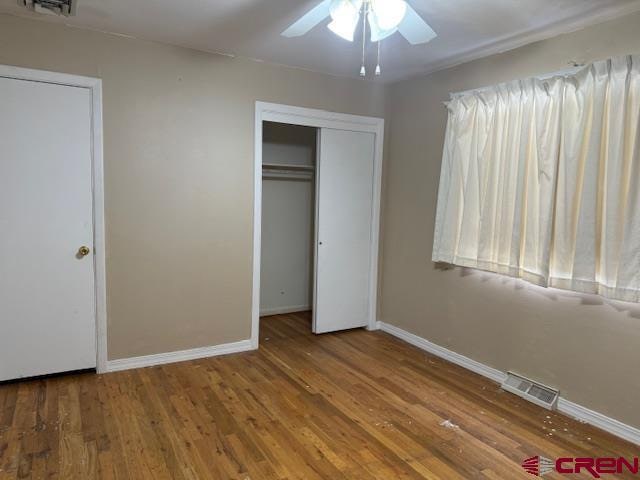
pixel 466 29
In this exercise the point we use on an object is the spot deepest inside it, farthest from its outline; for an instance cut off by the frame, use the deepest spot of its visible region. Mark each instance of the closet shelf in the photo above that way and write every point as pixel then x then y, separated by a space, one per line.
pixel 282 175
pixel 284 166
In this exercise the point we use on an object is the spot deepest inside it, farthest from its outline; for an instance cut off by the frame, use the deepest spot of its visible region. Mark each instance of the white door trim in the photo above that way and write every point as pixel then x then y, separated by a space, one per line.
pixel 94 85
pixel 308 117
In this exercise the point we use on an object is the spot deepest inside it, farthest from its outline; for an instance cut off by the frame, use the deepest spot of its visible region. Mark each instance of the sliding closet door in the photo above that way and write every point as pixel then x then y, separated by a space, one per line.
pixel 344 221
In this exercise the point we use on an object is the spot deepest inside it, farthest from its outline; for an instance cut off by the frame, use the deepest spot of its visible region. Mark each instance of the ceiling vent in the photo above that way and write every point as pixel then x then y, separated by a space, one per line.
pixel 55 7
pixel 529 390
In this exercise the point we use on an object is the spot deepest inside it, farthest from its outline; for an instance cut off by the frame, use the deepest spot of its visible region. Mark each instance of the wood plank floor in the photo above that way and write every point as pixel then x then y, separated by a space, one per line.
pixel 354 405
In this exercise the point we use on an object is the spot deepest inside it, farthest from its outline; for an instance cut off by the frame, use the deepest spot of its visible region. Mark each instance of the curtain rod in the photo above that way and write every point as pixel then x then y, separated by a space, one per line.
pixel 575 68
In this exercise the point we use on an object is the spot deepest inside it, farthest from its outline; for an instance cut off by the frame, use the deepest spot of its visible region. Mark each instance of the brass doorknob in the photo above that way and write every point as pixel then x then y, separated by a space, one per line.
pixel 83 251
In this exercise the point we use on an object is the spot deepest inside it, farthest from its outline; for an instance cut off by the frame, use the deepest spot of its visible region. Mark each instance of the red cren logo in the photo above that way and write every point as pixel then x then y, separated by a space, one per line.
pixel 538 466
pixel 596 467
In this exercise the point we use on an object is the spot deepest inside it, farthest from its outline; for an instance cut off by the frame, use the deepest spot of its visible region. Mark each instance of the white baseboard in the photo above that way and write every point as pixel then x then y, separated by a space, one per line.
pixel 282 310
pixel 599 420
pixel 565 406
pixel 181 356
pixel 477 367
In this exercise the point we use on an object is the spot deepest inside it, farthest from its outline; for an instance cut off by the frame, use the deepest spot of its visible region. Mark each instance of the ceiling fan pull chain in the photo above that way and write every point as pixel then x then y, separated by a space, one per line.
pixel 363 70
pixel 378 69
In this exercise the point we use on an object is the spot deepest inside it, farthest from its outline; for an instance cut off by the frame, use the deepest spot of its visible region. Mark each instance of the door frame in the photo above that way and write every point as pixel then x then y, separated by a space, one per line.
pixel 94 85
pixel 308 117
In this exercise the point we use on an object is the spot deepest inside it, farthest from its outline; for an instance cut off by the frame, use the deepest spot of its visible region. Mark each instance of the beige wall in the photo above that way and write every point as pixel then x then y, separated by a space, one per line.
pixel 586 346
pixel 179 130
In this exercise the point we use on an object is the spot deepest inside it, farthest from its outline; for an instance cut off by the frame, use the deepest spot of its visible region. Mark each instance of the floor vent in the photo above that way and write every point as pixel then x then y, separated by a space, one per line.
pixel 529 390
pixel 56 7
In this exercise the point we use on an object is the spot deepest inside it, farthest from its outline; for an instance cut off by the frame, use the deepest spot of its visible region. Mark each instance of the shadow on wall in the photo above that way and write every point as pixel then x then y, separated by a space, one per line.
pixel 550 293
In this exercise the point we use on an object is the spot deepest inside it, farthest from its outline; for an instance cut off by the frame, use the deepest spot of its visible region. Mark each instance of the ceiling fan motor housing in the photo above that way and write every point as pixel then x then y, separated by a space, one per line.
pixel 57 7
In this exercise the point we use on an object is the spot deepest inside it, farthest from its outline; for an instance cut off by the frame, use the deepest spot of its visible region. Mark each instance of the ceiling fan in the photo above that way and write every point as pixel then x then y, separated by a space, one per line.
pixel 385 17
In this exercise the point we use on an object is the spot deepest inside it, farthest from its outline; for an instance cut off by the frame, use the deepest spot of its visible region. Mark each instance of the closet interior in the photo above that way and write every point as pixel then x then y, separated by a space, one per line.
pixel 288 218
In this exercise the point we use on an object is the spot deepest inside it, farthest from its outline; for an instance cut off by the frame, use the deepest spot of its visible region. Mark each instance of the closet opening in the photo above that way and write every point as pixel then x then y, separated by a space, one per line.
pixel 318 178
pixel 289 159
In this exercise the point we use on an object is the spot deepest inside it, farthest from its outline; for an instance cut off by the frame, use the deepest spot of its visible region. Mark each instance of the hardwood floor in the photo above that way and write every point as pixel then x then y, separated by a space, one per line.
pixel 354 405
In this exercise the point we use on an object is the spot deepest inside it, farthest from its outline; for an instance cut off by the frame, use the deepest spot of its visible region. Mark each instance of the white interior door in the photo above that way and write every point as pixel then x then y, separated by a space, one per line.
pixel 47 319
pixel 344 229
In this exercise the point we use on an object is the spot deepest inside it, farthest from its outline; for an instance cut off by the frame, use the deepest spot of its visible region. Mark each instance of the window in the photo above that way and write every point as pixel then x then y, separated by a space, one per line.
pixel 541 180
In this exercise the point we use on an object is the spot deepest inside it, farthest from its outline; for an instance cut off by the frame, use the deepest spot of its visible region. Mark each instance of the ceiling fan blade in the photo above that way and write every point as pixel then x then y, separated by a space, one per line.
pixel 415 29
pixel 309 20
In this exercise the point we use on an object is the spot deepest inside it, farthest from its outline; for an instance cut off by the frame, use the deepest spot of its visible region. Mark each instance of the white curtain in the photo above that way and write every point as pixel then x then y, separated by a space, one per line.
pixel 541 180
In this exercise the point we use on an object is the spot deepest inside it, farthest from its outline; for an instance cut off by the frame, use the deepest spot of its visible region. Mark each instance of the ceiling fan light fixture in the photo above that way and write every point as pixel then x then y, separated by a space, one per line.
pixel 388 13
pixel 384 17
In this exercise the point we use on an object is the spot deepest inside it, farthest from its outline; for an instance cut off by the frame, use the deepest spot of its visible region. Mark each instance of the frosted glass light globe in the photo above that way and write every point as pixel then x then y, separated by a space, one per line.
pixel 342 9
pixel 388 13
pixel 345 15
